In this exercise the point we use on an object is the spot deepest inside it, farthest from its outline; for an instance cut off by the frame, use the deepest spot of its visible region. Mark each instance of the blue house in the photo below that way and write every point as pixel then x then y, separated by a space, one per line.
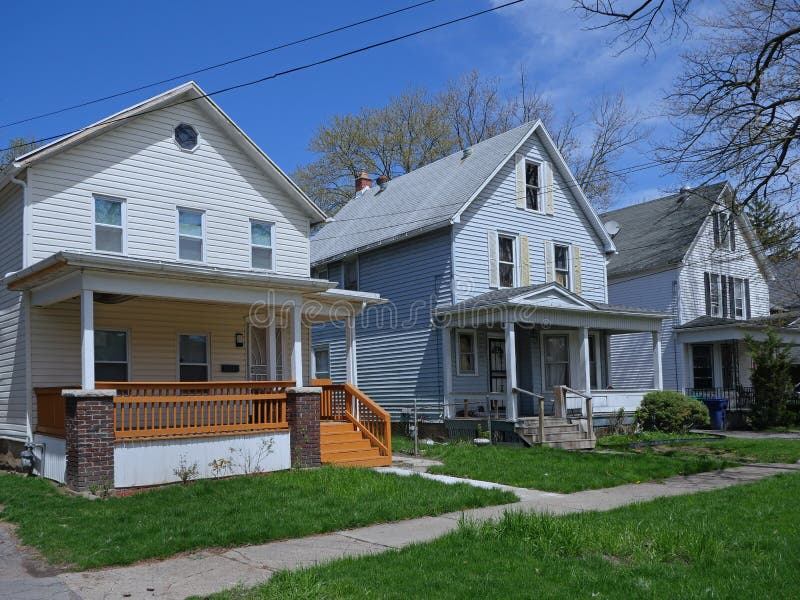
pixel 494 266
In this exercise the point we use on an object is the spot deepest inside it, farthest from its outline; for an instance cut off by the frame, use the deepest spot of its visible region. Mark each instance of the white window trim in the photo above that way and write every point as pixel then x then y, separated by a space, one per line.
pixel 178 234
pixel 178 354
pixel 127 333
pixel 515 270
pixel 271 247
pixel 474 335
pixel 355 262
pixel 570 266
pixel 181 148
pixel 124 226
pixel 327 348
pixel 711 286
pixel 541 195
pixel 736 281
pixel 555 333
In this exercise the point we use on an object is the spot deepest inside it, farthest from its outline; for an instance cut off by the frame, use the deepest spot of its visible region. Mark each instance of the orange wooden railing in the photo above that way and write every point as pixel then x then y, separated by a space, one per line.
pixel 199 408
pixel 50 409
pixel 345 402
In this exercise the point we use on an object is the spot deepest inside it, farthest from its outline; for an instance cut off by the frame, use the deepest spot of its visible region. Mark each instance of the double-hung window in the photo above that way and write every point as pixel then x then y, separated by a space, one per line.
pixel 739 308
pixel 109 224
pixel 193 357
pixel 110 355
pixel 533 191
pixel 322 363
pixel 261 245
pixel 191 234
pixel 466 363
pixel 506 260
pixel 350 274
pixel 715 295
pixel 561 265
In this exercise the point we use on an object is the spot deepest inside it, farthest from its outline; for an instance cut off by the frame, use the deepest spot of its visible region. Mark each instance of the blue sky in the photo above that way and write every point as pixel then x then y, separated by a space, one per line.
pixel 65 53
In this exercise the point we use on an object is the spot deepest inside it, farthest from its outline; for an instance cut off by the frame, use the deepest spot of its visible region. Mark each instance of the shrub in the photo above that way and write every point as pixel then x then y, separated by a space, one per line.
pixel 772 380
pixel 671 412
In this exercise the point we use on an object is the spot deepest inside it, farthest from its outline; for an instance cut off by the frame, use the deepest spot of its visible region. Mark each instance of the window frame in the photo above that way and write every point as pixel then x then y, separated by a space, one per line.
pixel 175 137
pixel 127 362
pixel 736 282
pixel 712 289
pixel 314 350
pixel 543 356
pixel 123 220
pixel 515 266
pixel 179 235
pixel 271 247
pixel 539 187
pixel 722 225
pixel 354 262
pixel 474 337
pixel 569 268
pixel 178 354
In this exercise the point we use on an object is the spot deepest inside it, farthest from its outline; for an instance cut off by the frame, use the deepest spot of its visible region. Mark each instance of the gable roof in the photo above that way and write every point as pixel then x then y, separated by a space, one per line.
pixel 189 91
pixel 659 233
pixel 431 197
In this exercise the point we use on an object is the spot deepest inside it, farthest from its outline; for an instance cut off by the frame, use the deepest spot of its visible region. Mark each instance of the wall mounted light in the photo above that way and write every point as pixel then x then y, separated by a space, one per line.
pixel 240 340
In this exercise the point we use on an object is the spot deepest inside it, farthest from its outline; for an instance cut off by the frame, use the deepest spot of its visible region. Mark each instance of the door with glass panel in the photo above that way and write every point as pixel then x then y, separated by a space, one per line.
pixel 258 359
pixel 556 362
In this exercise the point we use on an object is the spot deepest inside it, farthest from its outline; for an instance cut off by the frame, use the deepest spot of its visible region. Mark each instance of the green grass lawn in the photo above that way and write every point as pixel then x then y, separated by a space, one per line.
pixel 740 449
pixel 742 542
pixel 555 470
pixel 232 512
pixel 624 440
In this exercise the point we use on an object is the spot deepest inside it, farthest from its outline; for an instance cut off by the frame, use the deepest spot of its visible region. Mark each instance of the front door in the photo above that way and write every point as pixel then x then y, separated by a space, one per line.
pixel 556 362
pixel 703 366
pixel 258 359
pixel 497 366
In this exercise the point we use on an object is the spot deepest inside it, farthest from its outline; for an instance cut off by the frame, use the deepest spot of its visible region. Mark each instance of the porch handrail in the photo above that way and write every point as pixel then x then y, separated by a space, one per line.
pixel 370 419
pixel 587 397
pixel 50 411
pixel 527 392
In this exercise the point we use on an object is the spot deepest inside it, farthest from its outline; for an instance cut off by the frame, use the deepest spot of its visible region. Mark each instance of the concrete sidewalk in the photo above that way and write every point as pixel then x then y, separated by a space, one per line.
pixel 206 572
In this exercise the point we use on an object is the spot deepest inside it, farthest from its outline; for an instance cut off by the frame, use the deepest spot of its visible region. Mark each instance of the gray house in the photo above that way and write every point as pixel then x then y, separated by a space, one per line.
pixel 494 265
pixel 688 255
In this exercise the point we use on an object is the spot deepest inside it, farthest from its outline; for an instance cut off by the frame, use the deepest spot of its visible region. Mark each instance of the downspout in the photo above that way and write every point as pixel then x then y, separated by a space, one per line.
pixel 26 310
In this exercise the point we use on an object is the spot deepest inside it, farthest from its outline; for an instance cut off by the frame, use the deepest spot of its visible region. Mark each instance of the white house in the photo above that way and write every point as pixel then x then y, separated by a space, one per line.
pixel 157 247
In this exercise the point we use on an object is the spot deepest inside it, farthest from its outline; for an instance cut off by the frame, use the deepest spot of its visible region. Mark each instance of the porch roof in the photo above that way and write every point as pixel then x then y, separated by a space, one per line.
pixel 550 304
pixel 709 329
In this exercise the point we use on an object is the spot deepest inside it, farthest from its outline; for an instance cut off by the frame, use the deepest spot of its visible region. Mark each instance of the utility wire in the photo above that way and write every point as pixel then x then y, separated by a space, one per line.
pixel 292 70
pixel 217 65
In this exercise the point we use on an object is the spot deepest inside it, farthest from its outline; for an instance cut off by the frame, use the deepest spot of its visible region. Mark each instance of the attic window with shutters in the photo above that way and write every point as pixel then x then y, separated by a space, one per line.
pixel 533 199
pixel 561 265
pixel 724 230
pixel 534 184
pixel 186 137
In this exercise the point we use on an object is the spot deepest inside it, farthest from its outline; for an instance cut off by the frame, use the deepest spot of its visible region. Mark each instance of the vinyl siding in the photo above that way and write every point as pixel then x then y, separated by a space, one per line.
pixel 153 326
pixel 140 162
pixel 12 324
pixel 631 354
pixel 704 257
pixel 495 209
pixel 398 352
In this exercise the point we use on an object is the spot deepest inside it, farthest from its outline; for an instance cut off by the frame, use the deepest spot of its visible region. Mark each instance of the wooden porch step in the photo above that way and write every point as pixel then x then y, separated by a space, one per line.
pixel 342 444
pixel 379 461
pixel 339 445
pixel 558 433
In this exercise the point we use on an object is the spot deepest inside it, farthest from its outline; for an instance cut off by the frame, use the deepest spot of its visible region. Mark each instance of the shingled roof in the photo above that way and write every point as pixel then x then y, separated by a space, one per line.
pixel 658 233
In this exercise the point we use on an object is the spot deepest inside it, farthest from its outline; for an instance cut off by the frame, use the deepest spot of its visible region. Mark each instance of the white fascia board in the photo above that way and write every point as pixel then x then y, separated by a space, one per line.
pixel 63 288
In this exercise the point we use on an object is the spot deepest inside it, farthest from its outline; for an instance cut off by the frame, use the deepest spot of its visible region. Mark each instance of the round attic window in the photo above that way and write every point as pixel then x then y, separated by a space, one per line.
pixel 186 136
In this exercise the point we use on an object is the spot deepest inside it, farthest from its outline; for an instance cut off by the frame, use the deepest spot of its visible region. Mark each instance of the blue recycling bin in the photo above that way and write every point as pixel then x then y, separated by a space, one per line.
pixel 716 411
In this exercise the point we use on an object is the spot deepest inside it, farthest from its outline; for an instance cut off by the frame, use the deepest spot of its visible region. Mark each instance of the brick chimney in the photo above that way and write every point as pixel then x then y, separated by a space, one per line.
pixel 363 181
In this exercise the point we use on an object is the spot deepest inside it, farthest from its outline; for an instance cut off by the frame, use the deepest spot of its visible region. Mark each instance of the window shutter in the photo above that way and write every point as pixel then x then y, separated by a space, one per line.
pixel 520 167
pixel 732 231
pixel 724 284
pixel 715 220
pixel 707 282
pixel 524 261
pixel 549 267
pixel 548 182
pixel 494 273
pixel 747 297
pixel 577 287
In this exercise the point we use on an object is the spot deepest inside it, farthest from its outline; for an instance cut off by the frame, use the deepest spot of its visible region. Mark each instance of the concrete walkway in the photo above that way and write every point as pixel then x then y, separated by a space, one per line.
pixel 206 572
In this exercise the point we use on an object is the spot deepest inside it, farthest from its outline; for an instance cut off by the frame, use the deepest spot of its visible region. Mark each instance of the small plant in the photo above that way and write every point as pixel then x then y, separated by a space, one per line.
pixel 482 433
pixel 219 467
pixel 186 472
pixel 101 490
pixel 670 412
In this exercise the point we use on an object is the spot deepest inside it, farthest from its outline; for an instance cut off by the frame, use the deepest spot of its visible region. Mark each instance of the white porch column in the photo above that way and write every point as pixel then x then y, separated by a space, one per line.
pixel 447 362
pixel 687 367
pixel 511 372
pixel 297 343
pixel 87 339
pixel 658 374
pixel 272 347
pixel 350 343
pixel 586 361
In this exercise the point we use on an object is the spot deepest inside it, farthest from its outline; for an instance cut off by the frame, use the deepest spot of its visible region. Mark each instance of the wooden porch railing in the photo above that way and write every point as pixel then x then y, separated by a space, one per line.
pixel 50 410
pixel 199 408
pixel 560 394
pixel 345 402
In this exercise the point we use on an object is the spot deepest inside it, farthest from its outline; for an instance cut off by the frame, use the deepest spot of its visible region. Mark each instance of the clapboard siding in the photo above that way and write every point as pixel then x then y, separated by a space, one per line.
pixel 704 257
pixel 495 209
pixel 631 354
pixel 398 352
pixel 140 162
pixel 12 325
pixel 153 326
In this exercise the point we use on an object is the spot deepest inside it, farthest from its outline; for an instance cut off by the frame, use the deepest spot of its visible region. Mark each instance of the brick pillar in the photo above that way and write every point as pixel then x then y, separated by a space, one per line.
pixel 89 437
pixel 302 413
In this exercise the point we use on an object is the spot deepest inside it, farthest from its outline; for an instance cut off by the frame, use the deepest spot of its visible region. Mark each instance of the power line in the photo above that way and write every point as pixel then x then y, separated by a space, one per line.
pixel 292 70
pixel 218 65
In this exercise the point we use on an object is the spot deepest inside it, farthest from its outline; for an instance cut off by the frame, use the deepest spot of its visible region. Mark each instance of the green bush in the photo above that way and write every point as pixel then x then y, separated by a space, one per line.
pixel 671 412
pixel 772 381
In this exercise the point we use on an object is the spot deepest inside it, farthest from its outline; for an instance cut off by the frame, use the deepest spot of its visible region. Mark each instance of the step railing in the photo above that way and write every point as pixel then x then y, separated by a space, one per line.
pixel 540 399
pixel 345 402
pixel 50 411
pixel 560 394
